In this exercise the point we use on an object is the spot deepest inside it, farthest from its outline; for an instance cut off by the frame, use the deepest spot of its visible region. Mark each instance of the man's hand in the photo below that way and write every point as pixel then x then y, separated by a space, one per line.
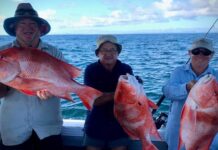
pixel 44 94
pixel 190 84
pixel 106 97
pixel 139 79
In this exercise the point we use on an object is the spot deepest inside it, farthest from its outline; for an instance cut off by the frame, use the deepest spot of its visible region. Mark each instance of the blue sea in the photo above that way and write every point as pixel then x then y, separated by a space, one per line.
pixel 152 56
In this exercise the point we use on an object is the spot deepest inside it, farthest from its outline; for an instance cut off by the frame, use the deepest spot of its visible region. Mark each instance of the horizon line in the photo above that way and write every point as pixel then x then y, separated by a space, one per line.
pixel 121 33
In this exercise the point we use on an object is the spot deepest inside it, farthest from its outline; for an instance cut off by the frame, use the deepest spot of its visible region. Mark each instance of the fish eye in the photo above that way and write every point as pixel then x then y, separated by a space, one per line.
pixel 1 56
pixel 139 103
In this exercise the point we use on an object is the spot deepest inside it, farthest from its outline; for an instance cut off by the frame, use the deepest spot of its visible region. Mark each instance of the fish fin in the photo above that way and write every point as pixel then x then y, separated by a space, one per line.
pixel 152 104
pixel 88 95
pixel 119 116
pixel 154 132
pixel 146 142
pixel 148 146
pixel 24 85
pixel 74 71
pixel 67 97
pixel 28 92
pixel 130 133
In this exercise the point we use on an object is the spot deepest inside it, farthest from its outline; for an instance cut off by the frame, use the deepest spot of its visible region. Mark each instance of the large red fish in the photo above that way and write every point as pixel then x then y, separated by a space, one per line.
pixel 132 110
pixel 199 119
pixel 30 70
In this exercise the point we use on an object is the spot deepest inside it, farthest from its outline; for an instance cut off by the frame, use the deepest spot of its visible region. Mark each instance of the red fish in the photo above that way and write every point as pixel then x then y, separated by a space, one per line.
pixel 30 70
pixel 132 110
pixel 199 118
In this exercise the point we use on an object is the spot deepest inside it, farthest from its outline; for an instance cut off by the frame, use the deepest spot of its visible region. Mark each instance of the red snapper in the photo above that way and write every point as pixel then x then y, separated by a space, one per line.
pixel 199 118
pixel 29 70
pixel 132 110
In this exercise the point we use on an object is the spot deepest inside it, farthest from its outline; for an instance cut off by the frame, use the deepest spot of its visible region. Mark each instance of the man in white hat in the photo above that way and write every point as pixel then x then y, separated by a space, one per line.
pixel 28 122
pixel 180 83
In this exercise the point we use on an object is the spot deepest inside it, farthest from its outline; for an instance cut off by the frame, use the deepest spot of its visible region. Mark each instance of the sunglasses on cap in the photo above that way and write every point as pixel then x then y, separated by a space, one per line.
pixel 203 51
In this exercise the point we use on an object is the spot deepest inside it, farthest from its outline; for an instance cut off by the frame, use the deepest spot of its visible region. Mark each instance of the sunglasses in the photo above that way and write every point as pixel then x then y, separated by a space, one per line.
pixel 203 51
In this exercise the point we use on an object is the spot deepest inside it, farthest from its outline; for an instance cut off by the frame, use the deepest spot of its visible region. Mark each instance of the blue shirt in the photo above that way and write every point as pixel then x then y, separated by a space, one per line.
pixel 175 90
pixel 100 122
pixel 20 113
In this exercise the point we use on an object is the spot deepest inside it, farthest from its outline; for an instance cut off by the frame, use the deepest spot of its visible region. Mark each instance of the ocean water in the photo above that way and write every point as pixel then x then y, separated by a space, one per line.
pixel 152 56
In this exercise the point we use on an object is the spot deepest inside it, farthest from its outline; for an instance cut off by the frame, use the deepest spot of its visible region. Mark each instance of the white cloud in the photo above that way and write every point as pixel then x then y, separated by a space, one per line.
pixel 18 1
pixel 116 17
pixel 158 11
pixel 2 18
pixel 47 14
pixel 161 11
pixel 163 5
pixel 187 9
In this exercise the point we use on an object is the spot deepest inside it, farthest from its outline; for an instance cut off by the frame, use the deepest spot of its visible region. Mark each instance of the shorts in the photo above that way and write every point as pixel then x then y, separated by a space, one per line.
pixel 89 141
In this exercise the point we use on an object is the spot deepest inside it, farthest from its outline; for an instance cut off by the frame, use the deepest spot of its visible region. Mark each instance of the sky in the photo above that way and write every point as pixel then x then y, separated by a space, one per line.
pixel 121 16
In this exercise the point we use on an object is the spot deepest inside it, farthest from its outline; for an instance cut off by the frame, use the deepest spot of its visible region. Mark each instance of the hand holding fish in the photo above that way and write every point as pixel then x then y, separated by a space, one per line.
pixel 106 97
pixel 190 84
pixel 43 94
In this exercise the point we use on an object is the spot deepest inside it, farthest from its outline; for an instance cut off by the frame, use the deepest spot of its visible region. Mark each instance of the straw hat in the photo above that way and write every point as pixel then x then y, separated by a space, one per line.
pixel 107 38
pixel 25 10
pixel 203 43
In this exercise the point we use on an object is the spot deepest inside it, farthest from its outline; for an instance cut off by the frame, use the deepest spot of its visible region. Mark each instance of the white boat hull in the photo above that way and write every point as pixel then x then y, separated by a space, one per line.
pixel 72 133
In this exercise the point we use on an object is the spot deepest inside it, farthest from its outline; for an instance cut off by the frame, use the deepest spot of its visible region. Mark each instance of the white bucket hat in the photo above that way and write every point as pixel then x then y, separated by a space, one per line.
pixel 107 38
pixel 203 43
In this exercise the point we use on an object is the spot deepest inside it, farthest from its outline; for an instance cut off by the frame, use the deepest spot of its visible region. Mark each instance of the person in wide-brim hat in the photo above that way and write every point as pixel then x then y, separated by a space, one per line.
pixel 25 10
pixel 28 130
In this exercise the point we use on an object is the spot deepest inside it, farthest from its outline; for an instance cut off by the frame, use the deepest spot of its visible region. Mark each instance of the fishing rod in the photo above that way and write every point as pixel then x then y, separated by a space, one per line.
pixel 211 28
pixel 158 103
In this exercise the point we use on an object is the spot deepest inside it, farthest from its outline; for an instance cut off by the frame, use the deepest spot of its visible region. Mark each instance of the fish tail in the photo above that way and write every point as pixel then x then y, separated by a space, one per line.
pixel 148 146
pixel 180 144
pixel 88 95
pixel 155 133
